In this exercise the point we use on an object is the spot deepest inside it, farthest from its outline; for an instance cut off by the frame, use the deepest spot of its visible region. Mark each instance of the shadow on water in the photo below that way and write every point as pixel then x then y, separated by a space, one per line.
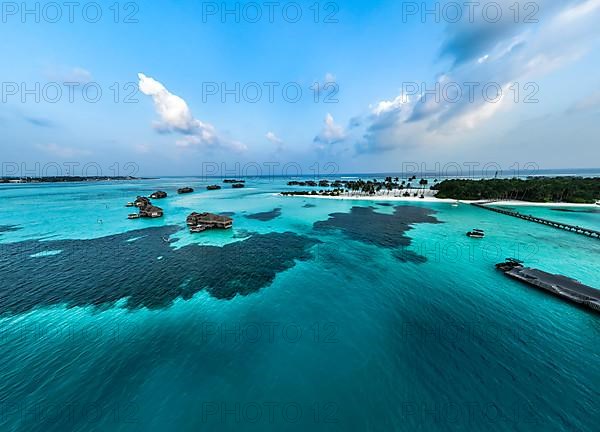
pixel 140 267
pixel 9 228
pixel 365 225
pixel 265 216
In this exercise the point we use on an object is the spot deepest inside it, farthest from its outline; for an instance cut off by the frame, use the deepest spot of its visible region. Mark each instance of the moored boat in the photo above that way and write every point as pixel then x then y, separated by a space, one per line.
pixel 476 233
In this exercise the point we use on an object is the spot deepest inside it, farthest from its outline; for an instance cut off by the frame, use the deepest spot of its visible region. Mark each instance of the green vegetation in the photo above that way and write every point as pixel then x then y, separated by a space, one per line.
pixel 544 189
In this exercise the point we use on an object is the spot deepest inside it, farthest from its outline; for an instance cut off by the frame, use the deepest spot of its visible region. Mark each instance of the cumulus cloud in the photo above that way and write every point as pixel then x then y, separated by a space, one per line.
pixel 492 56
pixel 331 133
pixel 176 117
pixel 275 140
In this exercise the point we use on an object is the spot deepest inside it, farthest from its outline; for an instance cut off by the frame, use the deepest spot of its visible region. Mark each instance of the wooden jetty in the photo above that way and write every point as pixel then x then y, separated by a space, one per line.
pixel 558 285
pixel 560 225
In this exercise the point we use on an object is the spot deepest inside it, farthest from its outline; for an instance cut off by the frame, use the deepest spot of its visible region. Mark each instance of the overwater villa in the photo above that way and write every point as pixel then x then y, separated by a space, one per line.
pixel 199 222
pixel 185 190
pixel 147 210
pixel 213 187
pixel 151 211
pixel 141 202
pixel 158 195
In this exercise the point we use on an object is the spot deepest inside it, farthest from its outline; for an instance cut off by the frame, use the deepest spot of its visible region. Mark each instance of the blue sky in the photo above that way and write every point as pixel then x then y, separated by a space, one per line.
pixel 371 55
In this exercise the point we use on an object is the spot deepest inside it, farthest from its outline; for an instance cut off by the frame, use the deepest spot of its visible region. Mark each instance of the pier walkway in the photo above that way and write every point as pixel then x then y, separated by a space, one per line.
pixel 547 222
pixel 561 286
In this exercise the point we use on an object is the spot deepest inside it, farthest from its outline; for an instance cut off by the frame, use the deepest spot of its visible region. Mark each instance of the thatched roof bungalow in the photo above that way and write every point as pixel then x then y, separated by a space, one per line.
pixel 151 211
pixel 141 202
pixel 158 195
pixel 209 220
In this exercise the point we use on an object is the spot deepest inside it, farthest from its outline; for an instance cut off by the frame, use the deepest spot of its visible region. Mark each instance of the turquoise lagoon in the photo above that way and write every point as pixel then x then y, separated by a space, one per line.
pixel 311 314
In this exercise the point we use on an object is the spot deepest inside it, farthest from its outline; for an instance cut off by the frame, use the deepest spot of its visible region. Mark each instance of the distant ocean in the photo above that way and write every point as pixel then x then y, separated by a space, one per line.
pixel 310 314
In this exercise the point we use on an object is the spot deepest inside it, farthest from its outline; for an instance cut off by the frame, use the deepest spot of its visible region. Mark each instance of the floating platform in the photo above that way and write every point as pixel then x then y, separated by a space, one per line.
pixel 561 286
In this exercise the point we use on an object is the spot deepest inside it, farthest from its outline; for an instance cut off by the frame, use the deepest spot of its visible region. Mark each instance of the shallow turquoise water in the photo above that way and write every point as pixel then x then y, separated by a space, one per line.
pixel 361 335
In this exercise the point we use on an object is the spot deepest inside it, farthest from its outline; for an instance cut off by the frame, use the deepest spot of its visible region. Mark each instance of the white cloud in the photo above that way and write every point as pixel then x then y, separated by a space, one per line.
pixel 331 133
pixel 70 75
pixel 176 117
pixel 329 78
pixel 61 151
pixel 275 140
pixel 500 55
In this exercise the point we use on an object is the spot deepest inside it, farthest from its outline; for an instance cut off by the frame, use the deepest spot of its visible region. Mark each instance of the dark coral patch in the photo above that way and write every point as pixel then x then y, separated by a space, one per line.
pixel 386 230
pixel 382 204
pixel 9 228
pixel 141 267
pixel 407 256
pixel 265 216
pixel 309 205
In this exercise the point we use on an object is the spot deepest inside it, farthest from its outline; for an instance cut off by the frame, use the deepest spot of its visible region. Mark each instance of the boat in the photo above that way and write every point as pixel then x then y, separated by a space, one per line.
pixel 509 264
pixel 130 204
pixel 133 216
pixel 198 229
pixel 476 233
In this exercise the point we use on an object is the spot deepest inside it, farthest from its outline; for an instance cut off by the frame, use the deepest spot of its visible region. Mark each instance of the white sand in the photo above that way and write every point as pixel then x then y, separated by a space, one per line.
pixel 430 197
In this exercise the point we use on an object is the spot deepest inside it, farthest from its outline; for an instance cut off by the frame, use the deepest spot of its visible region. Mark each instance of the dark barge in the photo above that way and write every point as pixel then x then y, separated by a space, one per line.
pixel 558 285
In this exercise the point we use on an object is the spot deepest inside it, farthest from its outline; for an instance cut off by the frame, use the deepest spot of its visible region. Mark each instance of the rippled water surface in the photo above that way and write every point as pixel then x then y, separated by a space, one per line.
pixel 310 314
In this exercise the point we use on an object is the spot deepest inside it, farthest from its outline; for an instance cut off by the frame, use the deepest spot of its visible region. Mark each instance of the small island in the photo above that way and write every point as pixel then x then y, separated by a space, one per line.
pixel 538 190
pixel 238 185
pixel 213 187
pixel 68 179
pixel 573 190
pixel 233 181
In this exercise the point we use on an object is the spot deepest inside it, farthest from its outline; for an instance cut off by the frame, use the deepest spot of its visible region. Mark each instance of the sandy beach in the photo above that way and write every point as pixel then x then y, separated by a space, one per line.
pixel 430 198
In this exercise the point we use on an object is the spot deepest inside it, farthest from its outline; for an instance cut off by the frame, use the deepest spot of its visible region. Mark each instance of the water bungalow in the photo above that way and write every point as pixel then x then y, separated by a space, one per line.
pixel 199 222
pixel 158 195
pixel 151 211
pixel 141 202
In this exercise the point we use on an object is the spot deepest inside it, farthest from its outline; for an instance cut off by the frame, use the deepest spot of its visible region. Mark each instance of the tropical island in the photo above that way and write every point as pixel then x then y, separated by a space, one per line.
pixel 574 190
pixel 67 179
pixel 543 190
